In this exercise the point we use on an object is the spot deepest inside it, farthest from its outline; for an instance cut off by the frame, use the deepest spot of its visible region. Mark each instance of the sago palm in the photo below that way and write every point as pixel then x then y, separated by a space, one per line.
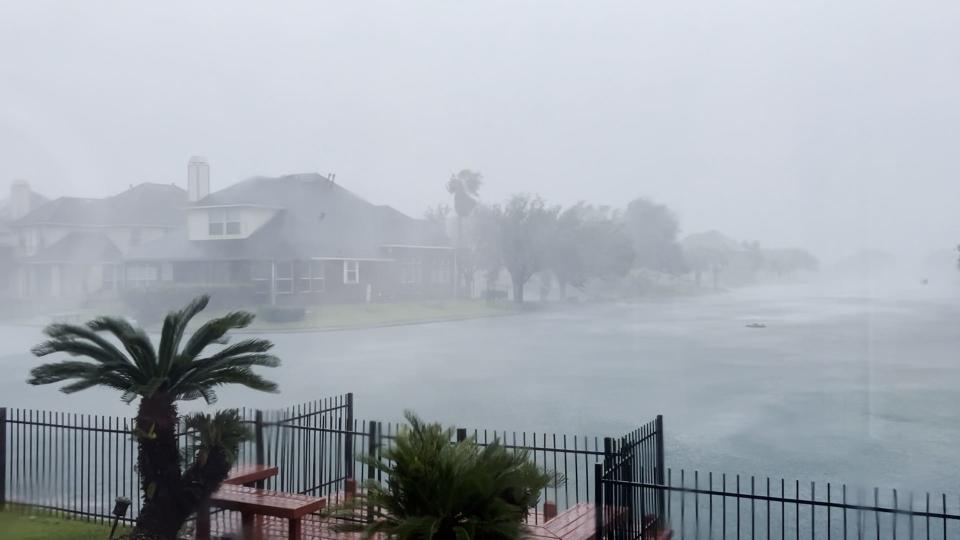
pixel 177 369
pixel 440 490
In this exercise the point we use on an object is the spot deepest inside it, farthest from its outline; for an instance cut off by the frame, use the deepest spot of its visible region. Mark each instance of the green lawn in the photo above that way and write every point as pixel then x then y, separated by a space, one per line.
pixel 38 526
pixel 378 314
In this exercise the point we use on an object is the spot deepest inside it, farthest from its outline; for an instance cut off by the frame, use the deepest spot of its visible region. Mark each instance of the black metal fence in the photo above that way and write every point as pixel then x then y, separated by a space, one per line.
pixel 627 508
pixel 79 464
pixel 640 499
pixel 722 506
pixel 72 463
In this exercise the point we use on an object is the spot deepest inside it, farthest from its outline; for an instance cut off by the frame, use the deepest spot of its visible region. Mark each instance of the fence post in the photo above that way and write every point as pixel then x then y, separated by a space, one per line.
pixel 598 500
pixel 348 441
pixel 661 474
pixel 258 437
pixel 461 434
pixel 612 470
pixel 372 441
pixel 3 457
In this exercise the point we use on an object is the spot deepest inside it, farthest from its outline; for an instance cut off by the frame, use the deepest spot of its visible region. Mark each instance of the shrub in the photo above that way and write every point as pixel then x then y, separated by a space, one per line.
pixel 444 490
pixel 281 314
pixel 150 305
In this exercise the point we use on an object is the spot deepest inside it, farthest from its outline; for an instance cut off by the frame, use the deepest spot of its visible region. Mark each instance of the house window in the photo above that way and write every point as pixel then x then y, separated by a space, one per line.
pixel 224 222
pixel 284 277
pixel 410 270
pixel 140 276
pixel 261 273
pixel 310 275
pixel 351 272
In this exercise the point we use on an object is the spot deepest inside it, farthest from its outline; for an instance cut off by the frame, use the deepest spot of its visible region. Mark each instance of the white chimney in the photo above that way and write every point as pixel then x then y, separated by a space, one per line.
pixel 198 178
pixel 20 199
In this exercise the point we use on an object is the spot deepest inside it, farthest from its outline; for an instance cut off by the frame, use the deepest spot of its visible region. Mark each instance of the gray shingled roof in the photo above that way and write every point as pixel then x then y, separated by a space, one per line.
pixel 78 247
pixel 148 204
pixel 316 218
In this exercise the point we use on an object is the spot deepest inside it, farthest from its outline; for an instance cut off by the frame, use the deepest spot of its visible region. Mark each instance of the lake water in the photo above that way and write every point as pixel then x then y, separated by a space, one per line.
pixel 842 385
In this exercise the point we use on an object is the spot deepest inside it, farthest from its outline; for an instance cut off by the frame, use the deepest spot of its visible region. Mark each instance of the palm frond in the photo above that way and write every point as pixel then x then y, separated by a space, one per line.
pixel 224 430
pixel 174 326
pixel 75 347
pixel 144 371
pixel 243 377
pixel 63 332
pixel 213 331
pixel 134 339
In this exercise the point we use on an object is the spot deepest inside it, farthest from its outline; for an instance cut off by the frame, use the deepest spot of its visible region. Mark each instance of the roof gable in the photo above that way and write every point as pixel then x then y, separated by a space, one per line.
pixel 147 204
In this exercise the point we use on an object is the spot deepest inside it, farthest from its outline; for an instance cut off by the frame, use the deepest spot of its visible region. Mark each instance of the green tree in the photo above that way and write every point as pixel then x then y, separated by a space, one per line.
pixel 437 489
pixel 465 188
pixel 527 228
pixel 789 261
pixel 708 251
pixel 653 228
pixel 160 377
pixel 589 243
pixel 484 236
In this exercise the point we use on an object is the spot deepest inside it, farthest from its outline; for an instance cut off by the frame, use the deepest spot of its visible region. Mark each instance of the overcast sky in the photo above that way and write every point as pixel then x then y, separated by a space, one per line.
pixel 830 125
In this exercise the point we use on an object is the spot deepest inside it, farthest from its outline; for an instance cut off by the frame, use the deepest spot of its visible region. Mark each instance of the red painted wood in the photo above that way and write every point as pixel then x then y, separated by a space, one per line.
pixel 248 474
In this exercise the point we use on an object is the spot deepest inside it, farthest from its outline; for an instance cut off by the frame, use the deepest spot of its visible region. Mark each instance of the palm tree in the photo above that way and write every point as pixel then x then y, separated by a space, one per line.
pixel 464 186
pixel 160 377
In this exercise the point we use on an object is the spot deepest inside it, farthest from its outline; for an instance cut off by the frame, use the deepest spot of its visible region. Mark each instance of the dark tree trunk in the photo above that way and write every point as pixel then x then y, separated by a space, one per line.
pixel 159 465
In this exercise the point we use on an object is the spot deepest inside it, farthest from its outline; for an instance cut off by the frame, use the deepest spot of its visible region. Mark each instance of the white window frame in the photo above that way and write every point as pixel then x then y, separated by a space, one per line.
pixel 139 276
pixel 351 267
pixel 226 219
pixel 311 276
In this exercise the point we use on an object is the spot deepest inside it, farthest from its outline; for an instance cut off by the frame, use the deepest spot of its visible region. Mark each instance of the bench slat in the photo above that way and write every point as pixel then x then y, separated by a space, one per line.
pixel 265 502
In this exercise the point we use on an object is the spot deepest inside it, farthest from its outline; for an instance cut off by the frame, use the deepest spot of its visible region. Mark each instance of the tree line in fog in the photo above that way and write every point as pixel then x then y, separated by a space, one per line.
pixel 526 236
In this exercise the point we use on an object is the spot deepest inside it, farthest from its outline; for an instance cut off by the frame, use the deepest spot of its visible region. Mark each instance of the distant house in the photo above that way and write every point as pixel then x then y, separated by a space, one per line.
pixel 21 201
pixel 297 239
pixel 72 248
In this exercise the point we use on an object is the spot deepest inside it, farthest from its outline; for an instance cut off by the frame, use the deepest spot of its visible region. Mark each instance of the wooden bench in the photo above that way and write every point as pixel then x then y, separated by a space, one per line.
pixel 248 475
pixel 252 502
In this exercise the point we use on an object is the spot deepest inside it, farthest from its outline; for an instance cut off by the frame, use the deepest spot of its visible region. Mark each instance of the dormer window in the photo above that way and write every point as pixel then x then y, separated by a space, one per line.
pixel 224 222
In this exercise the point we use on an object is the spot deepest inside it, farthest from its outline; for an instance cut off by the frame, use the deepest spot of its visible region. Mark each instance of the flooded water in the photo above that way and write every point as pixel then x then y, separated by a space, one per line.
pixel 839 386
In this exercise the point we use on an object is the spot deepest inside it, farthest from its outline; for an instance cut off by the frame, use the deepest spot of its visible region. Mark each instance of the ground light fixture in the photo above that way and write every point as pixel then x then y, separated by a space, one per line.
pixel 120 507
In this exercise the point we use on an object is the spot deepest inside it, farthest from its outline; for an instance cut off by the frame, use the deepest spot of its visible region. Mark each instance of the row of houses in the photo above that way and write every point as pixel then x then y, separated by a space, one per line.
pixel 296 239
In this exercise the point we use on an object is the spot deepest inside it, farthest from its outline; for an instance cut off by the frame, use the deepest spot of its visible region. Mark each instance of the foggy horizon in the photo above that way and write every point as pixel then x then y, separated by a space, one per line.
pixel 817 126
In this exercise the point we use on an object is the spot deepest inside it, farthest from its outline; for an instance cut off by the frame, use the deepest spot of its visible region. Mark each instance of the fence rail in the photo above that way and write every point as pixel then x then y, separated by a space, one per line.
pixel 78 464
pixel 721 506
